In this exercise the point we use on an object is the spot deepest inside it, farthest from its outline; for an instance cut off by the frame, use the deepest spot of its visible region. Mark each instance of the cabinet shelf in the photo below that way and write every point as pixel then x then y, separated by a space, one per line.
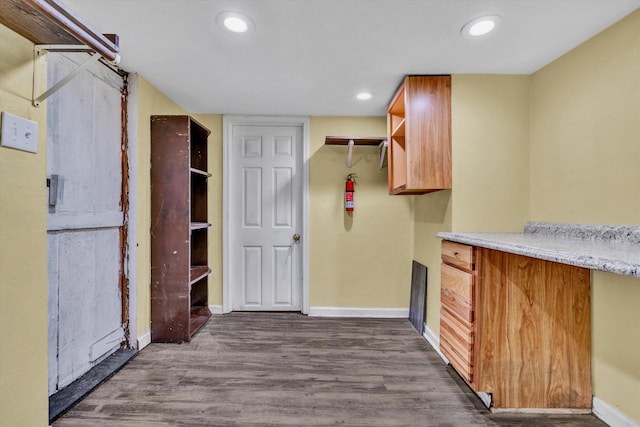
pixel 198 272
pixel 200 172
pixel 399 131
pixel 199 225
pixel 198 316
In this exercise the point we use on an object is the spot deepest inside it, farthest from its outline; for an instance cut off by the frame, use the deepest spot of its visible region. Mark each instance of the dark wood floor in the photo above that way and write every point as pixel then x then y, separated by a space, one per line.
pixel 254 369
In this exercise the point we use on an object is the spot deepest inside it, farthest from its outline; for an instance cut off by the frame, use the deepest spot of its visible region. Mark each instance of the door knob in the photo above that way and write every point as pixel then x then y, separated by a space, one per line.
pixel 296 237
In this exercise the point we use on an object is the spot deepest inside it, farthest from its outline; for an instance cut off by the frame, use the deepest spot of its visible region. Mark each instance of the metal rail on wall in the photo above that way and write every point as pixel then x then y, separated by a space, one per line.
pixel 351 141
pixel 72 24
pixel 96 44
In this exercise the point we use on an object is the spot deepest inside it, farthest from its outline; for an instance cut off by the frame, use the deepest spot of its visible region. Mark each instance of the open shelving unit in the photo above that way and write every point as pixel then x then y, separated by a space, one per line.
pixel 179 228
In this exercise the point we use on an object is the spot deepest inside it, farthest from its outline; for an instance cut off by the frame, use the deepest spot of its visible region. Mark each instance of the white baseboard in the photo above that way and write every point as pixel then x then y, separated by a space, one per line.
pixel 215 309
pixel 402 313
pixel 611 415
pixel 144 340
pixel 434 340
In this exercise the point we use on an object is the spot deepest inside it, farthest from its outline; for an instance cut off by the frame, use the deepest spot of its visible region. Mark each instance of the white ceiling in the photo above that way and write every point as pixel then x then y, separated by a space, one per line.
pixel 309 57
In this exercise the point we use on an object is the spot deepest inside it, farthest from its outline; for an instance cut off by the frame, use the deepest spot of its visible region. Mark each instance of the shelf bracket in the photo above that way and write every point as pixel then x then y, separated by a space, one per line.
pixel 40 50
pixel 382 150
pixel 349 153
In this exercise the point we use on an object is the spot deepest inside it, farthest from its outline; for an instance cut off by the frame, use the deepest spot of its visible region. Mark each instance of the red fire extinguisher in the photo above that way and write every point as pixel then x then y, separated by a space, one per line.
pixel 348 193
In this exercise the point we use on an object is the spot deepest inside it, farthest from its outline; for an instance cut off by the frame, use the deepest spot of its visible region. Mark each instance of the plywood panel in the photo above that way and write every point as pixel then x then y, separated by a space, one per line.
pixel 417 302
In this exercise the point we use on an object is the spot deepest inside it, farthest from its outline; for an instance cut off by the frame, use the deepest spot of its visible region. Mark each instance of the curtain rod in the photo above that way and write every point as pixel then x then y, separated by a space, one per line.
pixel 79 29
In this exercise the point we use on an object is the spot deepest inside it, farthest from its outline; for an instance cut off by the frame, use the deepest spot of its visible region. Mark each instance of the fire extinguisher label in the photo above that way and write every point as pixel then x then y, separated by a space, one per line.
pixel 348 203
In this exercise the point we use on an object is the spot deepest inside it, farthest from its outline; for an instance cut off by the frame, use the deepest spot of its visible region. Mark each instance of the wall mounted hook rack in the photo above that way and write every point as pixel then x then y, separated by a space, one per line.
pixel 352 141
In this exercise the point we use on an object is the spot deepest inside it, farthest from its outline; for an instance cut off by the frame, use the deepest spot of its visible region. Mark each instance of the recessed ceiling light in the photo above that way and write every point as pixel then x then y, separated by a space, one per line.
pixel 480 26
pixel 235 22
pixel 364 96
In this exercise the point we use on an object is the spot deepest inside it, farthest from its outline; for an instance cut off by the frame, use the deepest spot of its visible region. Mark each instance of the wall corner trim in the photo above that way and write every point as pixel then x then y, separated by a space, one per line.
pixel 216 309
pixel 144 340
pixel 611 415
pixel 434 340
pixel 402 313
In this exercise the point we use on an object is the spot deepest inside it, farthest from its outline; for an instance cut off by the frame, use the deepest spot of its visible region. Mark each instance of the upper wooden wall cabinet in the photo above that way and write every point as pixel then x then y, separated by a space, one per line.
pixel 419 130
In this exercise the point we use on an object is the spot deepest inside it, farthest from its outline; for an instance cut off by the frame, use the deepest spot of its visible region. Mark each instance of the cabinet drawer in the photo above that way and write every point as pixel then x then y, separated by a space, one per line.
pixel 457 291
pixel 457 254
pixel 456 343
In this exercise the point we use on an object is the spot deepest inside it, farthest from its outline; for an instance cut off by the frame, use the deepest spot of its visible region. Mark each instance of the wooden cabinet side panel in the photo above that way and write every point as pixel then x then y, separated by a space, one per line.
pixel 170 217
pixel 396 154
pixel 533 332
pixel 428 132
pixel 491 365
pixel 569 328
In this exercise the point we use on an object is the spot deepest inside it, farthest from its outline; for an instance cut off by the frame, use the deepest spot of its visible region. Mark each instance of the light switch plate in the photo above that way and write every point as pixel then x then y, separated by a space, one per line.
pixel 19 133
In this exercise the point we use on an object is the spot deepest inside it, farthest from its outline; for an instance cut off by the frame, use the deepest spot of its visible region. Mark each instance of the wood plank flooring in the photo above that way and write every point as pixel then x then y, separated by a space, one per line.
pixel 286 369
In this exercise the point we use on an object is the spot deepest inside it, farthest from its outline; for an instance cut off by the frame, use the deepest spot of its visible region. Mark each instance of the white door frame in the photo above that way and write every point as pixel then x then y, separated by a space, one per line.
pixel 227 125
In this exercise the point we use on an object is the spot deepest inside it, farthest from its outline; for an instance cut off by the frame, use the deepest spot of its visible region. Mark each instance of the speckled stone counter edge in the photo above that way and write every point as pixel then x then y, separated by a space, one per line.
pixel 617 233
pixel 577 251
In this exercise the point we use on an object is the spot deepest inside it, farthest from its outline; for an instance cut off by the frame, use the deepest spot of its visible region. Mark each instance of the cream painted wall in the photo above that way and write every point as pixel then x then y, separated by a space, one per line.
pixel 490 159
pixel 585 157
pixel 23 248
pixel 585 144
pixel 615 346
pixel 490 116
pixel 362 260
pixel 431 214
pixel 150 101
pixel 214 153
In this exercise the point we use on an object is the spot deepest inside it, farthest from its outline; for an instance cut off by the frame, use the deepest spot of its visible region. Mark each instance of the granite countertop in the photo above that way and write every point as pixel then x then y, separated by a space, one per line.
pixel 610 248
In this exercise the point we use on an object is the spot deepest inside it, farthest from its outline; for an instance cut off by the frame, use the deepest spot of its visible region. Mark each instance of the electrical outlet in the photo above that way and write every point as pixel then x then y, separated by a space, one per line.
pixel 18 133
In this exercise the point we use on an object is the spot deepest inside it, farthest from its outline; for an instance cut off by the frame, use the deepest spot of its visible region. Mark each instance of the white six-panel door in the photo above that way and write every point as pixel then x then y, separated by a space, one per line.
pixel 266 218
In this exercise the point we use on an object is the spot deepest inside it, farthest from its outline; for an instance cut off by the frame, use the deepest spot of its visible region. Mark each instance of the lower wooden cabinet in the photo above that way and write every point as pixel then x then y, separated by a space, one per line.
pixel 517 327
pixel 457 300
